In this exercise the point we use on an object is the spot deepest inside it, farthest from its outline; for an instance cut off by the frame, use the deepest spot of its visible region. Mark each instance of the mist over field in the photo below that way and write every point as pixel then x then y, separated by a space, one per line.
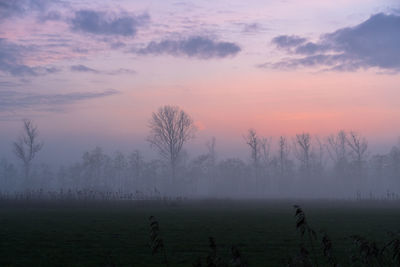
pixel 200 133
pixel 200 100
pixel 340 165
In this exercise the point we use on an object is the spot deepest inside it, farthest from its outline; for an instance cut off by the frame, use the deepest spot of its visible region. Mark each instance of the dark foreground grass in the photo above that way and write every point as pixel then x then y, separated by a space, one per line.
pixel 117 233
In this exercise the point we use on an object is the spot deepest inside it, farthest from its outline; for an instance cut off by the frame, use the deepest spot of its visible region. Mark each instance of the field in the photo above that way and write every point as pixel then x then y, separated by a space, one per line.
pixel 117 233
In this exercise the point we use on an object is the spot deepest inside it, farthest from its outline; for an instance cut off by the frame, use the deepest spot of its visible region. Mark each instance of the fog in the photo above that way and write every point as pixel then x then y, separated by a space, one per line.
pixel 340 165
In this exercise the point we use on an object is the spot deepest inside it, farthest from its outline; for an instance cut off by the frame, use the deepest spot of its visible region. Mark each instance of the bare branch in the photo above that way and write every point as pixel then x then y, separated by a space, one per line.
pixel 27 146
pixel 170 128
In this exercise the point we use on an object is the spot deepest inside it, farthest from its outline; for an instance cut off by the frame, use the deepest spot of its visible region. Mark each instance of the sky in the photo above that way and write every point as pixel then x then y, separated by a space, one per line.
pixel 90 73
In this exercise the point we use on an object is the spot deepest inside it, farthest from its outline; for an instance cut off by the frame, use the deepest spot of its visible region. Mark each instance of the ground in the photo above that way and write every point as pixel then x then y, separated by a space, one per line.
pixel 44 233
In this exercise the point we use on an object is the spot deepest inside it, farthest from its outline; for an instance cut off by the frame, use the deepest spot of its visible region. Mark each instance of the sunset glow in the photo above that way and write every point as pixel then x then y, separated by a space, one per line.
pixel 101 68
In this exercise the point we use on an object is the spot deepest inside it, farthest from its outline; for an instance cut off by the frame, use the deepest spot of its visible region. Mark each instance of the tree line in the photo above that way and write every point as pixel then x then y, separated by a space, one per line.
pixel 339 165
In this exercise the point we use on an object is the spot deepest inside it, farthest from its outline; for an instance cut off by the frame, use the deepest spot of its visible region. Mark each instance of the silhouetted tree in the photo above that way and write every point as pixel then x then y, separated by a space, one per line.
pixel 95 166
pixel 254 142
pixel 283 156
pixel 358 152
pixel 170 129
pixel 27 146
pixel 317 157
pixel 358 147
pixel 212 154
pixel 257 146
pixel 337 151
pixel 302 145
pixel 283 166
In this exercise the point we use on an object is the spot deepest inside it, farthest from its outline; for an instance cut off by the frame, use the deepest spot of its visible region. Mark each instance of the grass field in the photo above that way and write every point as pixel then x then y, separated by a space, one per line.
pixel 117 233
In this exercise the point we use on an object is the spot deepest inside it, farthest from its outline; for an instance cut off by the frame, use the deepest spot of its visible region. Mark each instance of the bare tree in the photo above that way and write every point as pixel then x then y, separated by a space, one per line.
pixel 258 149
pixel 27 146
pixel 302 145
pixel 336 146
pixel 317 156
pixel 212 154
pixel 283 156
pixel 255 144
pixel 170 129
pixel 266 151
pixel 358 147
pixel 358 150
pixel 337 151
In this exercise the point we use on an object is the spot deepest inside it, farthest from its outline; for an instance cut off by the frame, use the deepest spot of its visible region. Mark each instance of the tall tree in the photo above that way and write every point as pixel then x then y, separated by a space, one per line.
pixel 283 156
pixel 211 163
pixel 302 148
pixel 170 129
pixel 337 151
pixel 212 154
pixel 27 146
pixel 358 147
pixel 358 152
pixel 255 144
pixel 259 154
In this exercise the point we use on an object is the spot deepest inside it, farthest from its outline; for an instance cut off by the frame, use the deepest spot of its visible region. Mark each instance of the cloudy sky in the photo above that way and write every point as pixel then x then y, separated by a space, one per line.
pixel 91 72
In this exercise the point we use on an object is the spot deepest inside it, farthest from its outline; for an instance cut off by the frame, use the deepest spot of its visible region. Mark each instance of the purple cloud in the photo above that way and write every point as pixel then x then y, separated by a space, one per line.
pixel 194 47
pixel 372 43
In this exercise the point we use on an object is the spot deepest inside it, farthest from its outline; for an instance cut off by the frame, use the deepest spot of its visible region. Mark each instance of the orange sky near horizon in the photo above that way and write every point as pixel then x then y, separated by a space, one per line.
pixel 282 103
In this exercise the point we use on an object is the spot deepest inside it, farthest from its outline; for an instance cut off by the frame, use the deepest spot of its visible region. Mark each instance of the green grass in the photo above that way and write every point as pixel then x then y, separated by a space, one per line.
pixel 117 233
